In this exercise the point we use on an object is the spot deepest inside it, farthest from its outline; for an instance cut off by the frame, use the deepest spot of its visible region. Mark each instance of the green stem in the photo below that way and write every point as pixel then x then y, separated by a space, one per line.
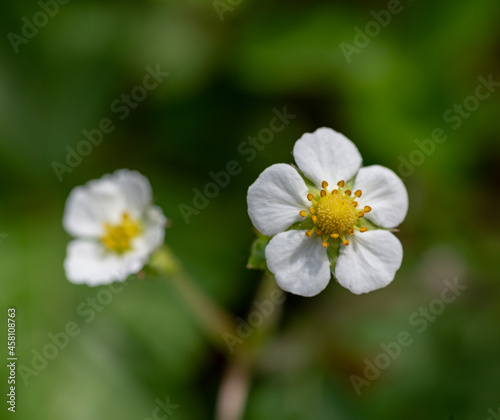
pixel 217 323
pixel 215 320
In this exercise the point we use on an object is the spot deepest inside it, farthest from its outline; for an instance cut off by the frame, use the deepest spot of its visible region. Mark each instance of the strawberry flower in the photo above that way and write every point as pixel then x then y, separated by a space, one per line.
pixel 116 228
pixel 331 216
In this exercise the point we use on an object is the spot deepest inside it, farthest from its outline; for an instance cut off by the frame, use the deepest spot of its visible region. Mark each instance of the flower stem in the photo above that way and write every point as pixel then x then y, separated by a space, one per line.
pixel 233 392
pixel 213 318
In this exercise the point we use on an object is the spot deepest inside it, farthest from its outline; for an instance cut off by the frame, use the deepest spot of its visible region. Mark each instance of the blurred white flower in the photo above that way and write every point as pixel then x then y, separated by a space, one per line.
pixel 116 228
pixel 331 208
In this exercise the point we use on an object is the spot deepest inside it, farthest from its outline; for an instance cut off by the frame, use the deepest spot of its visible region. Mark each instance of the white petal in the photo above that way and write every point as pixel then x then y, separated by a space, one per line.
pixel 153 235
pixel 369 262
pixel 90 206
pixel 89 262
pixel 326 155
pixel 105 200
pixel 385 193
pixel 276 198
pixel 299 264
pixel 135 188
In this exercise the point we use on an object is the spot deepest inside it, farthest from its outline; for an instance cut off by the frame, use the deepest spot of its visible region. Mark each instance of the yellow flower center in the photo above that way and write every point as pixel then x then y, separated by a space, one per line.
pixel 335 214
pixel 119 237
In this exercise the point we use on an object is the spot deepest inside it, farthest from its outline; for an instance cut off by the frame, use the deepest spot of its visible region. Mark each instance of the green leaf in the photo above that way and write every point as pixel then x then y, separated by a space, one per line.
pixel 257 260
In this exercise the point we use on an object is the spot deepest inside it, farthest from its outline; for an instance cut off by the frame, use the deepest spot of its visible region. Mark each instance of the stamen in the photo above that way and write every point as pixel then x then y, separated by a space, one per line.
pixel 334 215
pixel 119 237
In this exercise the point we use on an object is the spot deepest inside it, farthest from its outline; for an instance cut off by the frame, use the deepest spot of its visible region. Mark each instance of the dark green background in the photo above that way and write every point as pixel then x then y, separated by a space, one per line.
pixel 225 79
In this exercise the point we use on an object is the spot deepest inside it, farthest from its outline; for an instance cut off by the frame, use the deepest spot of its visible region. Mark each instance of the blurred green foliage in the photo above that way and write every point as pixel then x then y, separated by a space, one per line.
pixel 226 77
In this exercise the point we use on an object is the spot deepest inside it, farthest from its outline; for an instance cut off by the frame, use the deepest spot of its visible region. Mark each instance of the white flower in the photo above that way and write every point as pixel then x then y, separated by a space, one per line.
pixel 341 214
pixel 116 227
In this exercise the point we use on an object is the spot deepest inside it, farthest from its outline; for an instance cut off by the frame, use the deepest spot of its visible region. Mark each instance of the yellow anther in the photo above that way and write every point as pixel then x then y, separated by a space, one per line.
pixel 335 214
pixel 119 237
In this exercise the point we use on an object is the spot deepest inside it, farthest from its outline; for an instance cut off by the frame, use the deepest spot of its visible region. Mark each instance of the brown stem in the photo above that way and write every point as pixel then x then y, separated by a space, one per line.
pixel 235 385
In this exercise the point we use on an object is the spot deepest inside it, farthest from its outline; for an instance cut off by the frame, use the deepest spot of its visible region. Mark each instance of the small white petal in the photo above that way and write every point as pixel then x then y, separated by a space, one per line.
pixel 299 264
pixel 276 198
pixel 105 200
pixel 135 188
pixel 89 262
pixel 153 233
pixel 327 155
pixel 90 206
pixel 385 193
pixel 369 262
